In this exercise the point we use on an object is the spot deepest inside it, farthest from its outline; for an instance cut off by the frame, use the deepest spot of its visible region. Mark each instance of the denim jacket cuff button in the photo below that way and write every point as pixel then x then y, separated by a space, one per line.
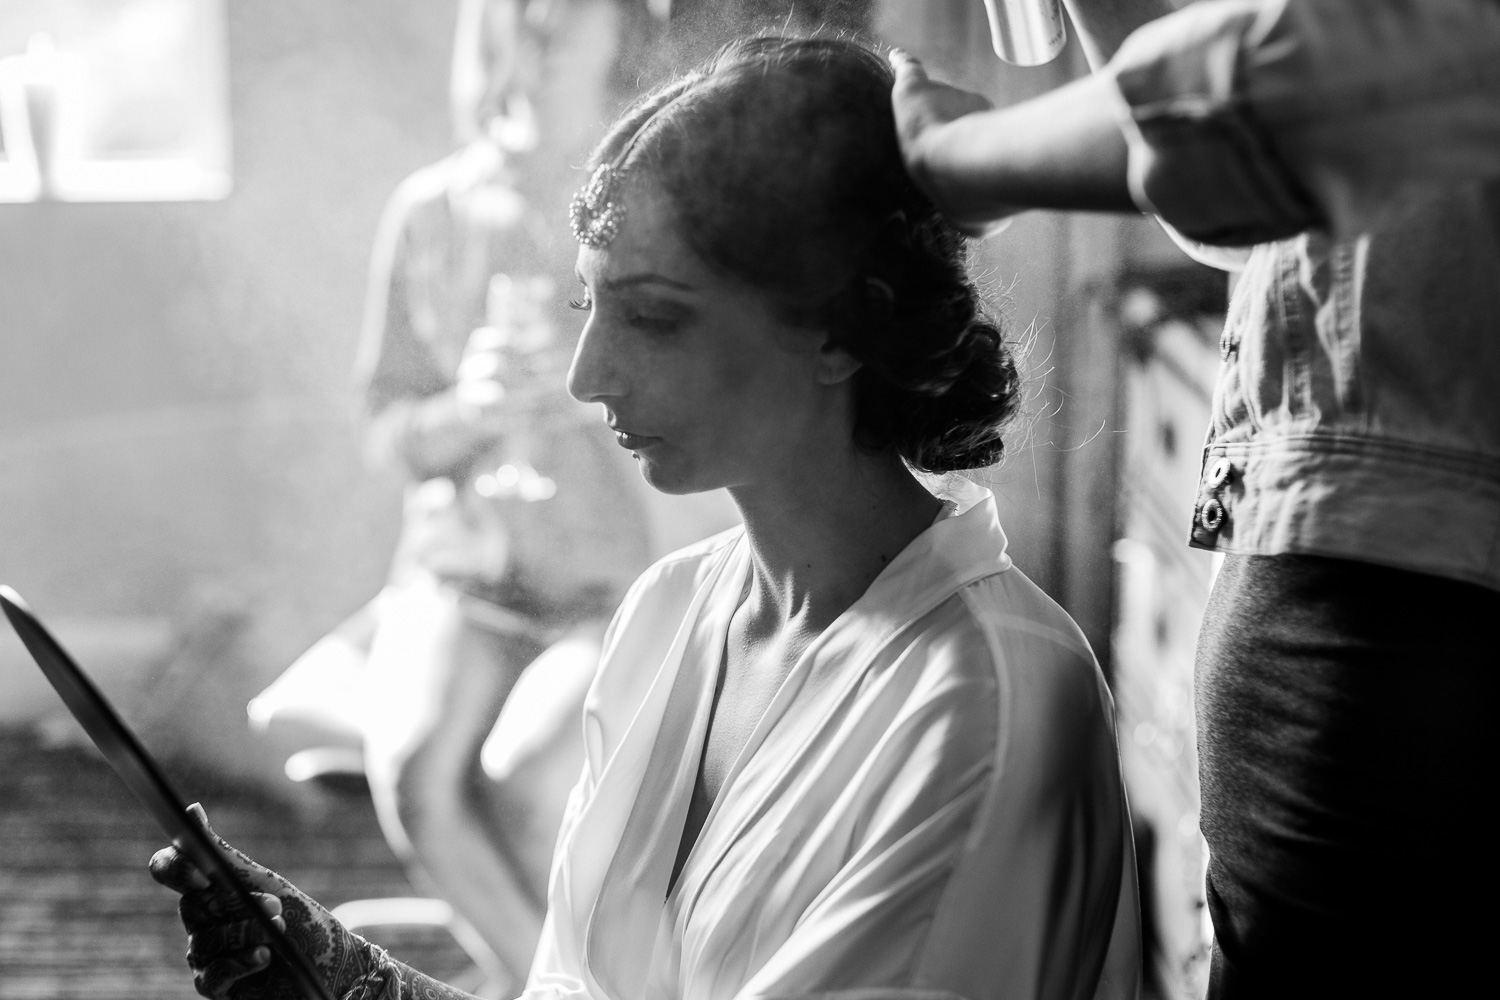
pixel 1211 515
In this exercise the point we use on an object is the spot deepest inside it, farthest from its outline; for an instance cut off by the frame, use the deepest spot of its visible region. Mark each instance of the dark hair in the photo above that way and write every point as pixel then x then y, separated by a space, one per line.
pixel 780 159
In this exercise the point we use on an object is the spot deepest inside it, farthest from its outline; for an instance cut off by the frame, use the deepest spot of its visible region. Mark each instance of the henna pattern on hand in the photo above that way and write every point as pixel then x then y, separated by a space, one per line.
pixel 221 935
pixel 351 967
pixel 417 986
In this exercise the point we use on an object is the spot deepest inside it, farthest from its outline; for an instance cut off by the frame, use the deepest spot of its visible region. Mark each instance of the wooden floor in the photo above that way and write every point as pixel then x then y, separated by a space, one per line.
pixel 81 920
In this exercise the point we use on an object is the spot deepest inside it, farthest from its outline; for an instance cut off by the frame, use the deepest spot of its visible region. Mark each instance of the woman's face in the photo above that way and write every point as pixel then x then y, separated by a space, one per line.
pixel 699 379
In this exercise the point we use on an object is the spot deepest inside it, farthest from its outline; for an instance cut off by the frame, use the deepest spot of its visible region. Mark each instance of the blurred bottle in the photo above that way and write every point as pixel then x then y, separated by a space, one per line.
pixel 508 364
pixel 1027 32
pixel 40 90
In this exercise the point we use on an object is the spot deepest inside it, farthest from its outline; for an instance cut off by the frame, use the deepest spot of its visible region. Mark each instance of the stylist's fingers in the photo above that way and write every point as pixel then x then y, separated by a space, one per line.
pixel 909 69
pixel 907 95
pixel 935 149
pixel 920 103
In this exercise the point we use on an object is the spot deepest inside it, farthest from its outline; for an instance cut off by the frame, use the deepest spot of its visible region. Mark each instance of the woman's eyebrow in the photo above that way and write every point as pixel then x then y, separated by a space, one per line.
pixel 646 278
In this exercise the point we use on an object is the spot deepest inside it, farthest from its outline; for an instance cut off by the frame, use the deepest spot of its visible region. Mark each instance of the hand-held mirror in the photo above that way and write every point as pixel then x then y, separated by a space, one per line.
pixel 145 780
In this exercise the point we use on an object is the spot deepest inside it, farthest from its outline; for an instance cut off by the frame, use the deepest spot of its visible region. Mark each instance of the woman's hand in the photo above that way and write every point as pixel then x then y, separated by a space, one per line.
pixel 934 147
pixel 227 948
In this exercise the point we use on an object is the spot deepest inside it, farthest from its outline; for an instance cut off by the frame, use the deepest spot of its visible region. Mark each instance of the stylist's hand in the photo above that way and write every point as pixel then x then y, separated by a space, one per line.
pixel 931 129
pixel 226 946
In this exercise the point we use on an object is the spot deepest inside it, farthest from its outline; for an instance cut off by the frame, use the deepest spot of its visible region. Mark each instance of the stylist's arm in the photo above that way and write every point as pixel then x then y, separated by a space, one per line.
pixel 979 164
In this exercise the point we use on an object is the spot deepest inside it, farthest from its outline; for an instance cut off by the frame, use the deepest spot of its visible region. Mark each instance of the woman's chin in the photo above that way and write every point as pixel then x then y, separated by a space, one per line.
pixel 670 479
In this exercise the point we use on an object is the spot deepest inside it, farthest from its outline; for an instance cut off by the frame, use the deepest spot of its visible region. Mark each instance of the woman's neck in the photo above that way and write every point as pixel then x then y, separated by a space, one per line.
pixel 821 535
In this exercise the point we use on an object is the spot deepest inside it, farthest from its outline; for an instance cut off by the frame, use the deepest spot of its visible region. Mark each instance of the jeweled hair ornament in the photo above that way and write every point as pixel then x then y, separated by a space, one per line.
pixel 596 212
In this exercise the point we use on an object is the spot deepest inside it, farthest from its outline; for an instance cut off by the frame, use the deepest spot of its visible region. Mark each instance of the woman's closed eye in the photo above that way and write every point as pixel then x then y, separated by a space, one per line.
pixel 660 317
pixel 657 321
pixel 654 317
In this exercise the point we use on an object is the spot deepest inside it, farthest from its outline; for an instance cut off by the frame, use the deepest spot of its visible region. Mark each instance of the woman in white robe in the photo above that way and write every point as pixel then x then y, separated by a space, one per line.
pixel 930 807
pixel 847 749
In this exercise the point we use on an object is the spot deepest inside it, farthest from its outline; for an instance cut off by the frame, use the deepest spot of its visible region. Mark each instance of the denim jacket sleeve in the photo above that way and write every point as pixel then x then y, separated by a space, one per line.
pixel 1253 120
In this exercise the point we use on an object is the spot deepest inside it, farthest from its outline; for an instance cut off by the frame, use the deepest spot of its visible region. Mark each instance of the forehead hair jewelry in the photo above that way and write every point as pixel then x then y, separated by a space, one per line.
pixel 595 213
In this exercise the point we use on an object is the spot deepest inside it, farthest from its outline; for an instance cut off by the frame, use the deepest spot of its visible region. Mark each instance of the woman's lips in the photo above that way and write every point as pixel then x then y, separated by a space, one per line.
pixel 633 442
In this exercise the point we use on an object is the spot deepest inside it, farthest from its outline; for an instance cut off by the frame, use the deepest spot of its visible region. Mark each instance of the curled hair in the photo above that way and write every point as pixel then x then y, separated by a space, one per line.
pixel 780 160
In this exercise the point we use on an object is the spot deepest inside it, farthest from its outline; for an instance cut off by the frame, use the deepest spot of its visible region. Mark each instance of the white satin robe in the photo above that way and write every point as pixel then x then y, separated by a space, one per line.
pixel 930 808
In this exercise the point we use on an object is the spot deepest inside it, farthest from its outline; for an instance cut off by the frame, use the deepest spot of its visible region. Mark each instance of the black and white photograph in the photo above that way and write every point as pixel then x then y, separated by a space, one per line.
pixel 748 499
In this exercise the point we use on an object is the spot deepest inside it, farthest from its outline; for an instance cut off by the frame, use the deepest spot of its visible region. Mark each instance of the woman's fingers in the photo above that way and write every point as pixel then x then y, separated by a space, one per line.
pixel 215 979
pixel 226 941
pixel 171 868
pixel 205 909
pixel 208 944
pixel 255 875
pixel 271 903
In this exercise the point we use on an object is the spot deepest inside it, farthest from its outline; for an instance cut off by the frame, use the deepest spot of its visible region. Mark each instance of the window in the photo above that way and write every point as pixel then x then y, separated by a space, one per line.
pixel 113 100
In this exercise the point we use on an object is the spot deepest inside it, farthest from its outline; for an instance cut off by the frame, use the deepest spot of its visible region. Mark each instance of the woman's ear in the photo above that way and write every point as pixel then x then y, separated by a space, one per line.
pixel 834 364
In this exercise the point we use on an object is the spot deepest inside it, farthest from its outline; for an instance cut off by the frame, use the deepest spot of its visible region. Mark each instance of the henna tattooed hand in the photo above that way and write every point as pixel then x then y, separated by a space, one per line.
pixel 227 948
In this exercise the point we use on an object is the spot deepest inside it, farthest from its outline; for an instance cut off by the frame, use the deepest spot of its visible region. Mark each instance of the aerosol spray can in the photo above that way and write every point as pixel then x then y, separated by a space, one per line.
pixel 1027 32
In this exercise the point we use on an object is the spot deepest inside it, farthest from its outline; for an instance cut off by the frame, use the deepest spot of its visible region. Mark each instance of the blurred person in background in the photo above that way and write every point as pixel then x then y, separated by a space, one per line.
pixel 1351 475
pixel 848 749
pixel 523 522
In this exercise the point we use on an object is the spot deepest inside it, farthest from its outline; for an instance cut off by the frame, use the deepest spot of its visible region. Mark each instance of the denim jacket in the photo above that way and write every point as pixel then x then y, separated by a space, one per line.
pixel 1253 120
pixel 1357 411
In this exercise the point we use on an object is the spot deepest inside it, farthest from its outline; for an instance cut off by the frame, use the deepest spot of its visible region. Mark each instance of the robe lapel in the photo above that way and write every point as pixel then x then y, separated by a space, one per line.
pixel 629 906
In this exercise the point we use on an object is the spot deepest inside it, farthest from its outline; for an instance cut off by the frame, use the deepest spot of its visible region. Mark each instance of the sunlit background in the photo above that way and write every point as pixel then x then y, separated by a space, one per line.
pixel 189 192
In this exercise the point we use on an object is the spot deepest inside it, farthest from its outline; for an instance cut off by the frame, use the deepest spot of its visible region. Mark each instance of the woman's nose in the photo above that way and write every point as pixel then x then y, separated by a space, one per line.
pixel 593 376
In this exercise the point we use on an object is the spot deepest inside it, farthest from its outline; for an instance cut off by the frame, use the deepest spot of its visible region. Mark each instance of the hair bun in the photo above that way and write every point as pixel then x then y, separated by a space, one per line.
pixel 944 412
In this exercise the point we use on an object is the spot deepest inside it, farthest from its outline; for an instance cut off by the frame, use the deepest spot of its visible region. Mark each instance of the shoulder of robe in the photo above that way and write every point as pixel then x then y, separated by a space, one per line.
pixel 1042 660
pixel 958 657
pixel 675 577
pixel 649 616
